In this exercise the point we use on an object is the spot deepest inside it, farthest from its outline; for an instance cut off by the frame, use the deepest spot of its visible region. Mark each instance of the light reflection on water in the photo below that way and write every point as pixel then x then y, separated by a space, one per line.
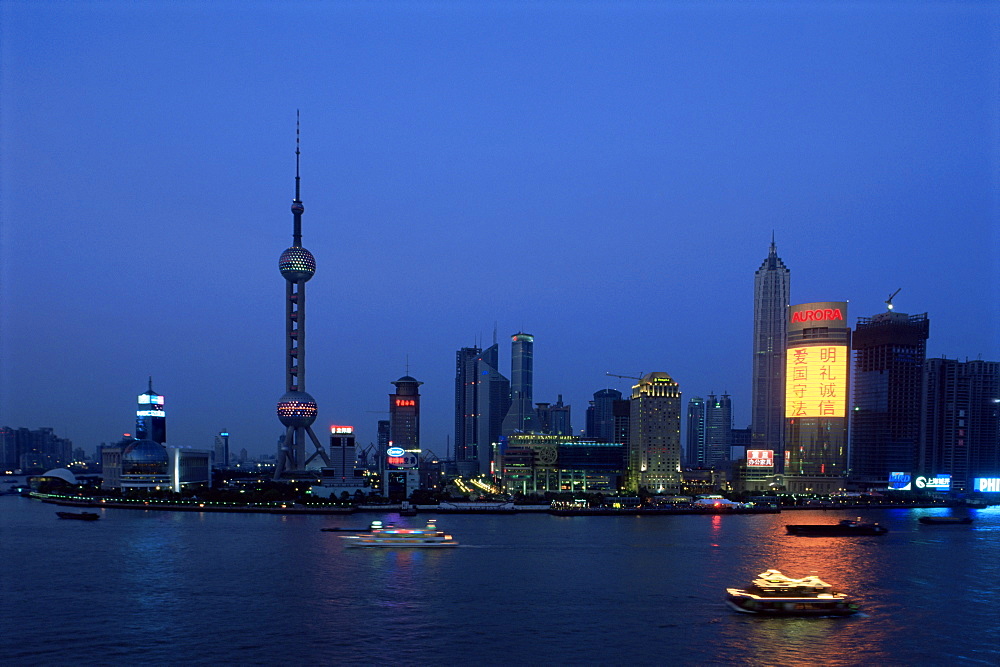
pixel 259 589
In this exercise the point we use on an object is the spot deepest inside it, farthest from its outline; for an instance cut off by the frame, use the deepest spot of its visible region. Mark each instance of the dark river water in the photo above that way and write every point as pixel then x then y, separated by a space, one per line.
pixel 150 587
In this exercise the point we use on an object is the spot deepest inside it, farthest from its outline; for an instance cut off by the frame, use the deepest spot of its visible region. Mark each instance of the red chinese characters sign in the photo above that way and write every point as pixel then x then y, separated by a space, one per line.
pixel 816 381
pixel 760 458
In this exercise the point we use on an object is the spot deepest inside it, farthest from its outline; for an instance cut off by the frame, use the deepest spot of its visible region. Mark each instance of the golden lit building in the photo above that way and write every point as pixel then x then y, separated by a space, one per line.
pixel 816 393
pixel 654 443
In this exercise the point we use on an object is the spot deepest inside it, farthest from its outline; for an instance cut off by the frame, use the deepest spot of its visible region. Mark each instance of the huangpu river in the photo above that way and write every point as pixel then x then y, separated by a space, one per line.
pixel 183 588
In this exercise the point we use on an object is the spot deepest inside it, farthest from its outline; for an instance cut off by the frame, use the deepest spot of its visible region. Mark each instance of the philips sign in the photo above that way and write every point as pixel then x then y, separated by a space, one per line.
pixel 987 484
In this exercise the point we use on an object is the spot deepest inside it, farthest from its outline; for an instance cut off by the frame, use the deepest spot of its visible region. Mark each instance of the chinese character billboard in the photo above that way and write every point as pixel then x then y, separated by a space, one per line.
pixel 816 381
pixel 760 458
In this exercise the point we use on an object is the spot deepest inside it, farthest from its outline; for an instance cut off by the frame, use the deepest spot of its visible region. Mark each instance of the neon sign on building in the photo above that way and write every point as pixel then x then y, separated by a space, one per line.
pixel 816 381
pixel 760 458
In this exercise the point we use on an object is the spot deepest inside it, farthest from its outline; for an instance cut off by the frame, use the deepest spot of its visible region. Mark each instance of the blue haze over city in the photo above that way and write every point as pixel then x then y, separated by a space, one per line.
pixel 605 176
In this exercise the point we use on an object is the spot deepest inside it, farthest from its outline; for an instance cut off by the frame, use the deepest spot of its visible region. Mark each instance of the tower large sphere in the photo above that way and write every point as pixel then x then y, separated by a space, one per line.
pixel 297 408
pixel 297 264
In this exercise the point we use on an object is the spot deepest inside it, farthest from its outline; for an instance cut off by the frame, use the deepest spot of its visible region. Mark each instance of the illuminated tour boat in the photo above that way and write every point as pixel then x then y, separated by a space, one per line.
pixel 774 594
pixel 381 536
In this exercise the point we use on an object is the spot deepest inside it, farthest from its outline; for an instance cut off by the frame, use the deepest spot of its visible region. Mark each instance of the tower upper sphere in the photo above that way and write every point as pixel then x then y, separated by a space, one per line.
pixel 297 409
pixel 297 264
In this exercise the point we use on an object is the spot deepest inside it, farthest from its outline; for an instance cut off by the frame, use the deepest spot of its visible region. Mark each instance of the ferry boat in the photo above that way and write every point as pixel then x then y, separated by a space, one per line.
pixel 846 527
pixel 384 536
pixel 774 594
pixel 944 520
pixel 81 516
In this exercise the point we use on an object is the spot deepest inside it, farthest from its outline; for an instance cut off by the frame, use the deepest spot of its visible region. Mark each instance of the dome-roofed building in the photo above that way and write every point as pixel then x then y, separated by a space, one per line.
pixel 145 464
pixel 53 480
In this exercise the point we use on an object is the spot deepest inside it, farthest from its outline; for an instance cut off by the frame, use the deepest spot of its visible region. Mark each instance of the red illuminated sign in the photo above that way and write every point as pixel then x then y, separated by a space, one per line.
pixel 403 402
pixel 396 460
pixel 818 315
pixel 760 458
pixel 341 429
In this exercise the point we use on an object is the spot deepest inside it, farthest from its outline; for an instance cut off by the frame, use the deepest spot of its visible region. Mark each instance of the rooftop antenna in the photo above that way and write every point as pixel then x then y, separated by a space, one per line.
pixel 494 332
pixel 888 302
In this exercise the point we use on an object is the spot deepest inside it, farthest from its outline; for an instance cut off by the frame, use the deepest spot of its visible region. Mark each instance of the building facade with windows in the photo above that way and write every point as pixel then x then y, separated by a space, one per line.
pixel 654 444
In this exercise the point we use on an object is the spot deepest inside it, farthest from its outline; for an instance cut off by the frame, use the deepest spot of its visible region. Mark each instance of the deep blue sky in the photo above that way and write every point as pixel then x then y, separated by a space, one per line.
pixel 603 175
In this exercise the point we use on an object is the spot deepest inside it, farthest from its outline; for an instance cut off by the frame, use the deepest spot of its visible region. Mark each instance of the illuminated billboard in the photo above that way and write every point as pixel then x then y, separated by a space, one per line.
pixel 816 381
pixel 147 399
pixel 830 314
pixel 760 458
pixel 899 481
pixel 937 482
pixel 987 484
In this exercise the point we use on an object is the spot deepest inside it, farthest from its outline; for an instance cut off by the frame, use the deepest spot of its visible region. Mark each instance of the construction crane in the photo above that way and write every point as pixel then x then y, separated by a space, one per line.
pixel 888 302
pixel 627 377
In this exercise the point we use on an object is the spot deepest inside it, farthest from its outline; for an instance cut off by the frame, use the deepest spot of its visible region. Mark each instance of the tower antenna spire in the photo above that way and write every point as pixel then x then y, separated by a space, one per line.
pixel 297 207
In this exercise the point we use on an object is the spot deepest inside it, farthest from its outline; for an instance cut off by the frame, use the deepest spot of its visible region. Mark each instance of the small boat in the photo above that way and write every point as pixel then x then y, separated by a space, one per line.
pixel 845 528
pixel 343 530
pixel 384 536
pixel 80 516
pixel 774 594
pixel 944 520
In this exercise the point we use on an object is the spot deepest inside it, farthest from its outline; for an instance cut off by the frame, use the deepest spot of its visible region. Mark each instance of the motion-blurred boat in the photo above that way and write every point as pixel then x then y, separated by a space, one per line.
pixel 81 516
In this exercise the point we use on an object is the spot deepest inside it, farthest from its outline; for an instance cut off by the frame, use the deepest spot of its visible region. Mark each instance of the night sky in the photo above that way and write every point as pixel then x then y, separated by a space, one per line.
pixel 603 175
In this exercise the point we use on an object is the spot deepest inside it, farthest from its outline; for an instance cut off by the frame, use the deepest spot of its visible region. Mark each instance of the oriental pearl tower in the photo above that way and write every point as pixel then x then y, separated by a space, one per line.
pixel 296 409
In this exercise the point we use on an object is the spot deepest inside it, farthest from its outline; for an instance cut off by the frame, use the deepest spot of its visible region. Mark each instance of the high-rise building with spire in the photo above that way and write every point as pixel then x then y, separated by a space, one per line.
pixel 521 416
pixel 482 399
pixel 771 294
pixel 296 409
pixel 150 417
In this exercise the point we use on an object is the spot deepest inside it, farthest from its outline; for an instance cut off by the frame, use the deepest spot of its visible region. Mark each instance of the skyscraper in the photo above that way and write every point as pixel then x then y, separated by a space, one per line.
pixel 521 416
pixel 222 449
pixel 482 399
pixel 296 409
pixel 553 419
pixel 150 418
pixel 889 353
pixel 718 429
pixel 603 427
pixel 654 445
pixel 771 290
pixel 960 430
pixel 696 455
pixel 817 379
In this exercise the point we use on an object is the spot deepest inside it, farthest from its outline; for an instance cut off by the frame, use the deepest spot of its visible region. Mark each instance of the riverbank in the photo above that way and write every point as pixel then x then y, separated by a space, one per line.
pixel 455 508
